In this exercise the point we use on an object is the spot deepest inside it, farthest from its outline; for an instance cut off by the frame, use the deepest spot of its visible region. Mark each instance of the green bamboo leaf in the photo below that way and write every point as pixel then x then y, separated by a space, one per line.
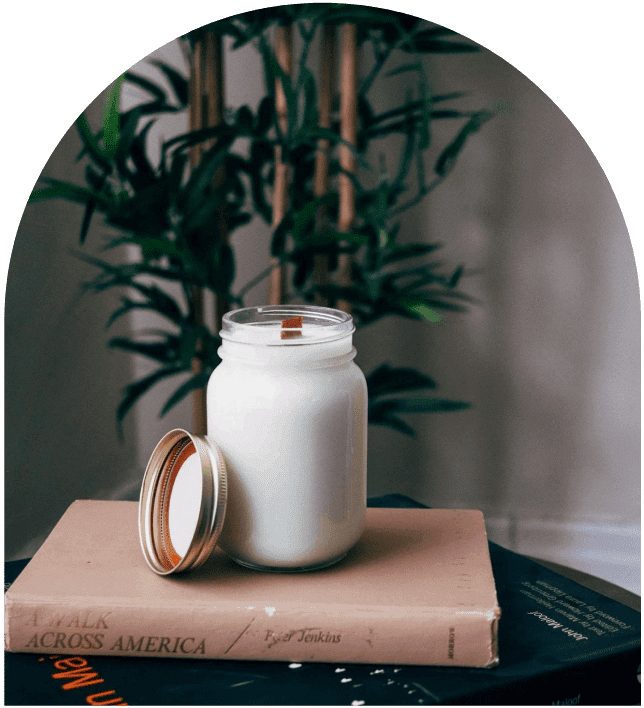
pixel 111 118
pixel 429 45
pixel 235 167
pixel 312 134
pixel 90 208
pixel 451 48
pixel 203 214
pixel 392 421
pixel 226 268
pixel 163 303
pixel 357 14
pixel 434 32
pixel 366 117
pixel 178 82
pixel 419 308
pixel 426 274
pixel 306 214
pixel 441 97
pixel 408 250
pixel 265 114
pixel 399 126
pixel 273 72
pixel 406 161
pixel 147 85
pixel 63 190
pixel 119 275
pixel 303 270
pixel 388 380
pixel 156 301
pixel 409 108
pixel 426 110
pixel 163 352
pixel 194 137
pixel 127 307
pixel 90 143
pixel 258 185
pixel 177 171
pixel 442 115
pixel 447 158
pixel 244 119
pixel 456 276
pixel 135 390
pixel 194 382
pixel 201 178
pixel 151 246
pixel 404 69
pixel 310 117
pixel 267 66
pixel 127 133
pixel 145 173
pixel 426 405
pixel 148 109
pixel 380 414
pixel 440 299
pixel 239 218
pixel 278 240
pixel 350 237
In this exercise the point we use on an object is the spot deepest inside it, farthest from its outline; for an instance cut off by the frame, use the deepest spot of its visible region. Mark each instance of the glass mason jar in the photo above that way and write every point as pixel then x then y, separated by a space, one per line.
pixel 288 410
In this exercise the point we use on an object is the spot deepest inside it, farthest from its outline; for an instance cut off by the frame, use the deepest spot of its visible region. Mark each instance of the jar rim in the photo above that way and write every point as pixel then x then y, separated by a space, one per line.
pixel 258 325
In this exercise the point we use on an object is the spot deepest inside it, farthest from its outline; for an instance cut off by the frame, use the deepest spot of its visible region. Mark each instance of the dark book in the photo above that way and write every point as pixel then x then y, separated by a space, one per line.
pixel 559 644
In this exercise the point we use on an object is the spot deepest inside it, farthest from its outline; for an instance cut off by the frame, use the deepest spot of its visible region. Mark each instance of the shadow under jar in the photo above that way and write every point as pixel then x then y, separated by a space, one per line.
pixel 287 407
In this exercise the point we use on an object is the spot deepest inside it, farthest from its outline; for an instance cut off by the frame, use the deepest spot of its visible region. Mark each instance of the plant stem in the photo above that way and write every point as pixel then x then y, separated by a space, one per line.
pixel 321 182
pixel 381 59
pixel 284 55
pixel 422 192
pixel 348 130
pixel 206 98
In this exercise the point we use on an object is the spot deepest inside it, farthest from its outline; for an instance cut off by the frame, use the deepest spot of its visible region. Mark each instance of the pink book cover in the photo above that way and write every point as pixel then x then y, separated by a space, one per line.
pixel 417 588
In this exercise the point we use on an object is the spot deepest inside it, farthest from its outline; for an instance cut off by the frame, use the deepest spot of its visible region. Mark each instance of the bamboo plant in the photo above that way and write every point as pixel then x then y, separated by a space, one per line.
pixel 313 174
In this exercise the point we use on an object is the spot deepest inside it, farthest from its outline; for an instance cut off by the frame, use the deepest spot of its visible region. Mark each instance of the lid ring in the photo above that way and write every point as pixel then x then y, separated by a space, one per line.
pixel 164 465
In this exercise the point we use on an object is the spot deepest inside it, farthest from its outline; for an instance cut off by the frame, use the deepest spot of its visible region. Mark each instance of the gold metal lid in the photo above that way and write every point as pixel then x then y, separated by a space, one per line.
pixel 201 458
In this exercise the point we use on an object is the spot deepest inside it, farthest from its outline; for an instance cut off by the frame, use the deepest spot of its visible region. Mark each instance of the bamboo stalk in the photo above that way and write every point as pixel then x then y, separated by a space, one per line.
pixel 284 56
pixel 195 118
pixel 206 99
pixel 214 115
pixel 321 181
pixel 348 130
pixel 195 115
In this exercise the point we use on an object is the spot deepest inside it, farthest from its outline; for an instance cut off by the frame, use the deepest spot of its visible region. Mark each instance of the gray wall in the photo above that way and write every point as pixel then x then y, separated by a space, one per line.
pixel 549 359
pixel 61 384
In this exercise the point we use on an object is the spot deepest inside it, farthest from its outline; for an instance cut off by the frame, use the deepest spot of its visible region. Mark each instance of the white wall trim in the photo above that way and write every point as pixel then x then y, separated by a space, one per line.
pixel 608 551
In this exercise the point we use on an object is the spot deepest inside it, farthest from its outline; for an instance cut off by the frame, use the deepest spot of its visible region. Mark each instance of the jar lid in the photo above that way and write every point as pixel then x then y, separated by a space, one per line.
pixel 183 502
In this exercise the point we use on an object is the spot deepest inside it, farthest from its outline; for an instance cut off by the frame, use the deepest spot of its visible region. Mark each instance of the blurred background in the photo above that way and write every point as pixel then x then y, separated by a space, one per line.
pixel 549 358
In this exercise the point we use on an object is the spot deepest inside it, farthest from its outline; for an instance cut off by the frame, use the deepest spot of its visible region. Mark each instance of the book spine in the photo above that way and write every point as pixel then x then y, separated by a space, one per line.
pixel 329 633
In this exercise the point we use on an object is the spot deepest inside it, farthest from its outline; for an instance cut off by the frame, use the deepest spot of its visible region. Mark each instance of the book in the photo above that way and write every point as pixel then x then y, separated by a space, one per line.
pixel 417 588
pixel 539 664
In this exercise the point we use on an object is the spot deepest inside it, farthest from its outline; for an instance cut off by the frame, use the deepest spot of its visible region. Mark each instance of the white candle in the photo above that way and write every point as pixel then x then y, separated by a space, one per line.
pixel 289 416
